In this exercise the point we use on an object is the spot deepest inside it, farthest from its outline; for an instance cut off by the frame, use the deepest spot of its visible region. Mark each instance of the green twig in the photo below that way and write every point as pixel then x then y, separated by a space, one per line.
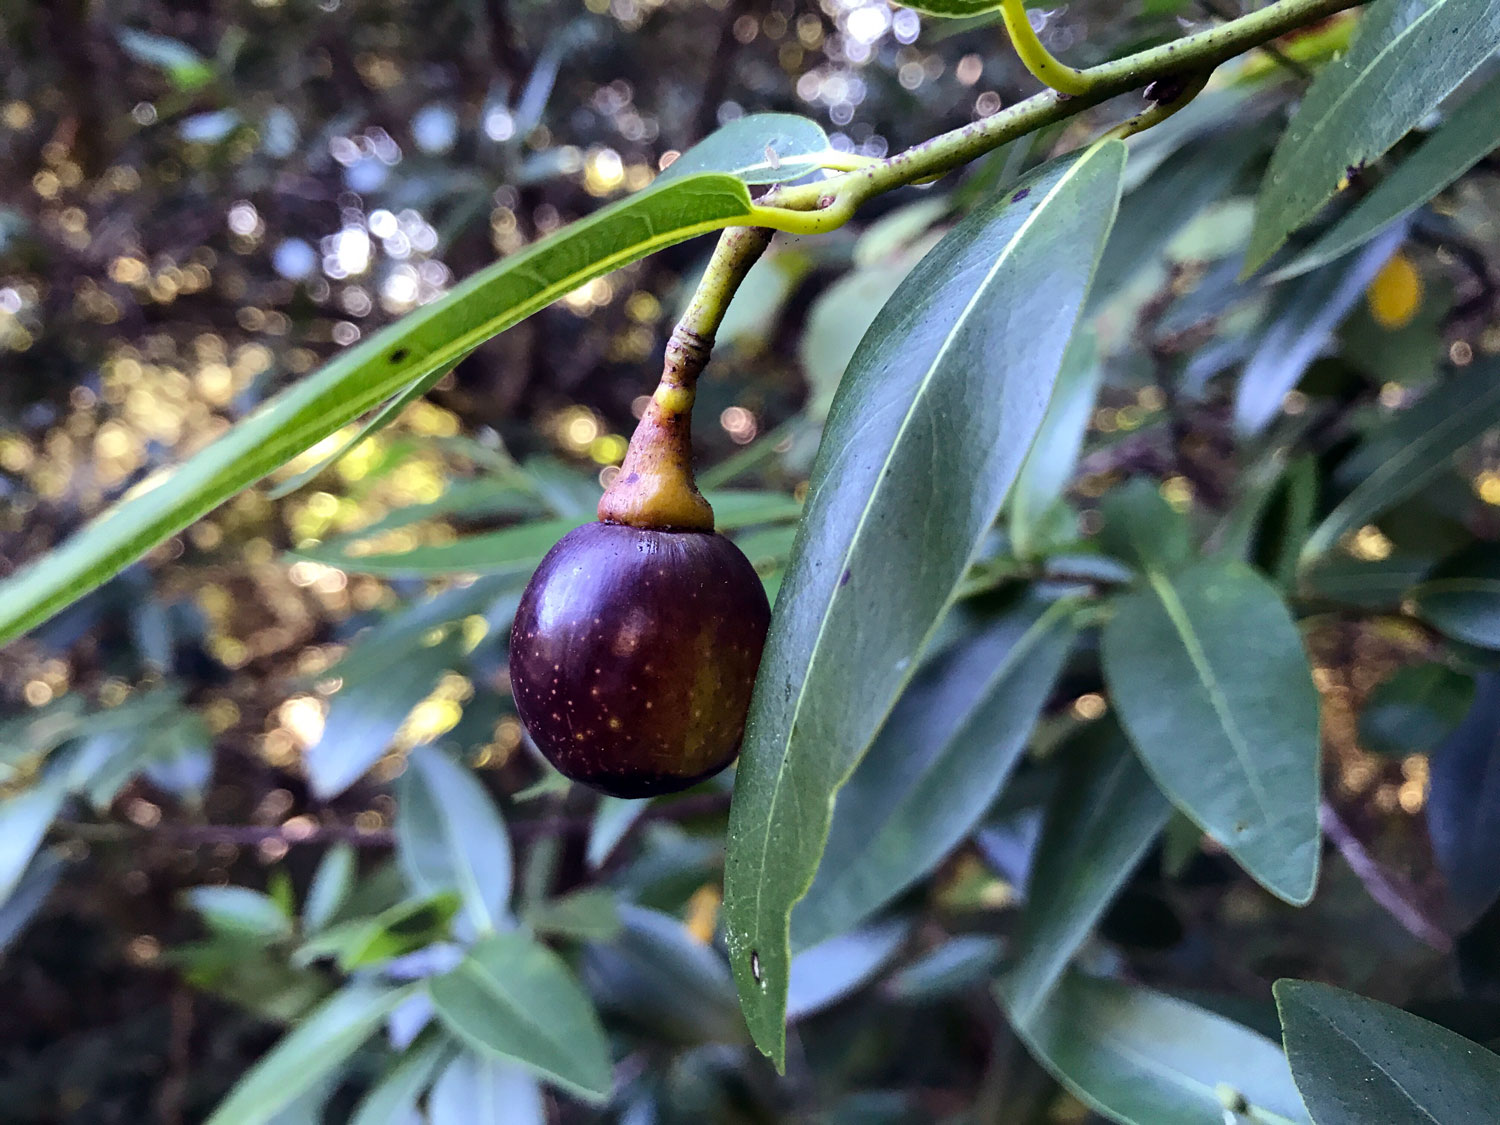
pixel 818 207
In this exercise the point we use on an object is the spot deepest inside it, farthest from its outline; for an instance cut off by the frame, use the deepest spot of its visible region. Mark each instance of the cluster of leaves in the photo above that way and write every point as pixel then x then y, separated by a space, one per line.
pixel 1071 655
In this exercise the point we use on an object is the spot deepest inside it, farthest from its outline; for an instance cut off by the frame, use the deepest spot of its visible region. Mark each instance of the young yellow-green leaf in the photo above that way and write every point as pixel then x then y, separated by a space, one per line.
pixel 1409 55
pixel 1206 670
pixel 411 924
pixel 764 148
pixel 954 9
pixel 362 377
pixel 1405 456
pixel 1358 1061
pixel 515 998
pixel 925 437
pixel 318 1046
pixel 1455 146
pixel 1142 1058
pixel 1103 816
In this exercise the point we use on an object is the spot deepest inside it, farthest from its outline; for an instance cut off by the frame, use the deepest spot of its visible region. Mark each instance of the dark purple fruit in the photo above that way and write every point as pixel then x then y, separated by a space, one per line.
pixel 633 654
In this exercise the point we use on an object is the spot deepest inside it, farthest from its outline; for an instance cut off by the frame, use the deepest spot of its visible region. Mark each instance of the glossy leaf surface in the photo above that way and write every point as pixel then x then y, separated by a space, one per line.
pixel 925 437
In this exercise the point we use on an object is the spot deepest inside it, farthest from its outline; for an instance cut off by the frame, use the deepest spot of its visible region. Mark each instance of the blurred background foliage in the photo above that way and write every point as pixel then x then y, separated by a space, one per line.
pixel 201 201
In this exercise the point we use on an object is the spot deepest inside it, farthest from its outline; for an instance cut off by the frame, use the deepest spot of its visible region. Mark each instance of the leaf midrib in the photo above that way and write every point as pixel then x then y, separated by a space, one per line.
pixel 1177 614
pixel 1364 1053
pixel 493 987
pixel 1183 1078
pixel 470 889
pixel 1337 519
pixel 1357 85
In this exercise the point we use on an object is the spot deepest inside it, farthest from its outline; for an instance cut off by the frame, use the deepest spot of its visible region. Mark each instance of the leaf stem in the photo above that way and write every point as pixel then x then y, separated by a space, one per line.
pixel 1046 67
pixel 1167 96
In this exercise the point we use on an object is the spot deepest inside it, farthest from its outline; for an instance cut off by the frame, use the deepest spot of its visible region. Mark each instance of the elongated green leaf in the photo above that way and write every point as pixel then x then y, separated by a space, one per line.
pixel 1373 585
pixel 1142 1058
pixel 660 978
pixel 764 148
pixel 383 418
pixel 365 375
pixel 404 928
pixel 241 911
pixel 393 1100
pixel 1414 709
pixel 1453 148
pixel 483 497
pixel 592 914
pixel 1207 672
pixel 513 550
pixel 1358 1061
pixel 954 9
pixel 926 435
pixel 894 231
pixel 1186 182
pixel 319 1045
pixel 1143 529
pixel 1416 447
pixel 1054 455
pixel 1409 55
pixel 517 550
pixel 28 895
pixel 935 768
pixel 838 321
pixel 957 967
pixel 1461 596
pixel 1463 805
pixel 24 820
pixel 1298 327
pixel 367 712
pixel 516 999
pixel 612 821
pixel 330 887
pixel 1105 814
pixel 478 1090
pixel 449 836
pixel 833 969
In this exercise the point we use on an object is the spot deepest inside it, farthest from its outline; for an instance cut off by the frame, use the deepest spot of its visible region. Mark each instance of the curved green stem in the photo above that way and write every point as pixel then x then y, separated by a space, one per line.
pixel 816 208
pixel 1037 59
pixel 1170 101
pixel 820 207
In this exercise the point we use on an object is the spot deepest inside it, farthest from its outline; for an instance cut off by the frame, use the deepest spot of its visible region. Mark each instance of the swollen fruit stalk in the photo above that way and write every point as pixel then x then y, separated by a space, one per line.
pixel 636 643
